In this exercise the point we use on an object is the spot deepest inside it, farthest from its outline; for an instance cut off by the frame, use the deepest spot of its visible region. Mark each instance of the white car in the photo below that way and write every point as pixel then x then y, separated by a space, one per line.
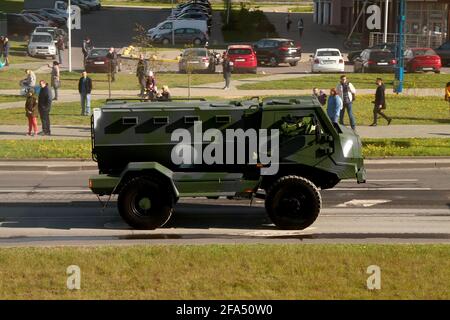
pixel 41 44
pixel 327 60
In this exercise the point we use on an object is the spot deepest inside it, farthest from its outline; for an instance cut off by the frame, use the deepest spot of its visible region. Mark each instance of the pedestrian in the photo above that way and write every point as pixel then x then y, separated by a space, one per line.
pixel 447 95
pixel 150 86
pixel 87 47
pixel 227 67
pixel 31 112
pixel 55 79
pixel 334 107
pixel 141 73
pixel 29 82
pixel 300 27
pixel 5 50
pixel 165 94
pixel 112 58
pixel 85 89
pixel 60 48
pixel 288 22
pixel 320 95
pixel 44 107
pixel 379 103
pixel 347 92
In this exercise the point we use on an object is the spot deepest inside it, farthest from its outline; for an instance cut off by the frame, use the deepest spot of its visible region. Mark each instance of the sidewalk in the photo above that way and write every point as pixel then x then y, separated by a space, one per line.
pixel 16 132
pixel 85 165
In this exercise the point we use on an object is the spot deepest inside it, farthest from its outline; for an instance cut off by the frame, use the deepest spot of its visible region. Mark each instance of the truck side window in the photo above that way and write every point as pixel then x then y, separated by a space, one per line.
pixel 298 125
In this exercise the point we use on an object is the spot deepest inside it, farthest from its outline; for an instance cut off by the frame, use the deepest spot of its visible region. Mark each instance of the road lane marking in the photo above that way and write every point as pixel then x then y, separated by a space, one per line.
pixel 362 203
pixel 382 180
pixel 385 189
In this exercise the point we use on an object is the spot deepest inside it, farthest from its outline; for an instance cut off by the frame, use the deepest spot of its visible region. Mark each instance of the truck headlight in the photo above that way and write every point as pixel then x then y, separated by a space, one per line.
pixel 347 147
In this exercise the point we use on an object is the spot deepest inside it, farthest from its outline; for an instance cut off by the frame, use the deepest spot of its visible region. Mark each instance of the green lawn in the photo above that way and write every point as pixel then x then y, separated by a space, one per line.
pixel 8 98
pixel 18 54
pixel 35 148
pixel 11 5
pixel 303 9
pixel 361 81
pixel 9 79
pixel 403 109
pixel 227 272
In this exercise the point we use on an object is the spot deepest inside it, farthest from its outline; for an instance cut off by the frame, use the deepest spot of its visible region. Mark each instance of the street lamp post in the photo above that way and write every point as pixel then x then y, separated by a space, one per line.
pixel 386 19
pixel 400 72
pixel 69 30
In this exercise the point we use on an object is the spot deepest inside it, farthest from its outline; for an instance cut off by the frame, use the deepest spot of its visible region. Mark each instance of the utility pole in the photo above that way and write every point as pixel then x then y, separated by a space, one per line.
pixel 399 72
pixel 69 30
pixel 386 19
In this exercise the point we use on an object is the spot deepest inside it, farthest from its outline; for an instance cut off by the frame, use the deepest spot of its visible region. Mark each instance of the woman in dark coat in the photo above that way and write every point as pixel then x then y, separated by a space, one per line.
pixel 31 112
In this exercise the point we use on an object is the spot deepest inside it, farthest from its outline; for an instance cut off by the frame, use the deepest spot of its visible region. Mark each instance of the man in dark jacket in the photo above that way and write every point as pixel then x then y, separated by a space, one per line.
pixel 85 89
pixel 379 103
pixel 112 57
pixel 141 73
pixel 44 107
pixel 227 67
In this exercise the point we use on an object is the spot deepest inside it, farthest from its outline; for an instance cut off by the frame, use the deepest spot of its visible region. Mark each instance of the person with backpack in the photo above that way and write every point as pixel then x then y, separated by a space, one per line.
pixel 347 92
pixel 379 103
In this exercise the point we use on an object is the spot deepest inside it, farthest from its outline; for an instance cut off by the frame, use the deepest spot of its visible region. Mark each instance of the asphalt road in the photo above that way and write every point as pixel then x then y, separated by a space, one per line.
pixel 395 206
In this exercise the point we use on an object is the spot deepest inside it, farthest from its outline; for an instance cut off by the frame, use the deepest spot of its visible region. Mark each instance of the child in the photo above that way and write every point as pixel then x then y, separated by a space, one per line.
pixel 31 112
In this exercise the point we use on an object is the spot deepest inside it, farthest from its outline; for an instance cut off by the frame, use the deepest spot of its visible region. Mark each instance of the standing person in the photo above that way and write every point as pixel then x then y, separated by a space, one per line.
pixel 334 107
pixel 447 95
pixel 5 50
pixel 31 112
pixel 300 27
pixel 141 73
pixel 55 79
pixel 227 67
pixel 85 89
pixel 44 107
pixel 112 57
pixel 347 92
pixel 87 47
pixel 288 22
pixel 60 48
pixel 379 103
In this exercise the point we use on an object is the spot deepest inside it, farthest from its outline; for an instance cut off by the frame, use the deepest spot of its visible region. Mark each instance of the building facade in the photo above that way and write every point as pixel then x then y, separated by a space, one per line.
pixel 429 18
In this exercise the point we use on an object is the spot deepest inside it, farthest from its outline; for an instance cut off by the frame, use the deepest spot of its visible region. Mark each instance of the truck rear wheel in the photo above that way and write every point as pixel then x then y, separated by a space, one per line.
pixel 146 203
pixel 293 203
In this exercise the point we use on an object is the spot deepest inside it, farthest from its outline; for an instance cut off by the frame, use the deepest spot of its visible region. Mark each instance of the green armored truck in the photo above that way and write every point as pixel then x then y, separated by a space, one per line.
pixel 281 149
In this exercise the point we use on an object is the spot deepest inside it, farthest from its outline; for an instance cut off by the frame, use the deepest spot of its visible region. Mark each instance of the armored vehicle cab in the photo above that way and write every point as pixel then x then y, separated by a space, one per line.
pixel 282 149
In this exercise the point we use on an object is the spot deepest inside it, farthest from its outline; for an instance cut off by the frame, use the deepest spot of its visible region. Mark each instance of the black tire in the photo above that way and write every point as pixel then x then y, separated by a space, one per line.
pixel 293 64
pixel 146 203
pixel 293 203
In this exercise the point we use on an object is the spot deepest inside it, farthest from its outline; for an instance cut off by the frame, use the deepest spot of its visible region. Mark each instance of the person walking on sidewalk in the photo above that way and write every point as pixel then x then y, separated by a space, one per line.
pixel 31 112
pixel 141 73
pixel 347 92
pixel 44 107
pixel 379 103
pixel 300 27
pixel 227 67
pixel 334 107
pixel 85 89
pixel 288 22
pixel 55 79
pixel 112 57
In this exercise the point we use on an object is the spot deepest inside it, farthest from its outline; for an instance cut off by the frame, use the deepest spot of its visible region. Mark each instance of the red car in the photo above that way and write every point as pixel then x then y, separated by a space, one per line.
pixel 97 61
pixel 422 59
pixel 243 58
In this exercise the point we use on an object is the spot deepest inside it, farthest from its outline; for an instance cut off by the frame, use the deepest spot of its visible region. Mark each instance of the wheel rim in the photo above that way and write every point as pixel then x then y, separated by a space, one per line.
pixel 291 205
pixel 142 205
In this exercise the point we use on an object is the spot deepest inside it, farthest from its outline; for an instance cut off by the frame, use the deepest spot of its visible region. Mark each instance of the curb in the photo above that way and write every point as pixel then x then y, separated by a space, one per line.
pixel 64 165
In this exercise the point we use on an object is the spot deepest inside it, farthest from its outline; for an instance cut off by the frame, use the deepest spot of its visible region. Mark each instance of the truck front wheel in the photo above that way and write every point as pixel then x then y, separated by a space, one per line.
pixel 293 203
pixel 146 203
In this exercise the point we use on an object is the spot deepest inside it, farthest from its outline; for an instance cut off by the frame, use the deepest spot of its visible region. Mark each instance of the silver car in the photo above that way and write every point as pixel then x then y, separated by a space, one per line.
pixel 41 44
pixel 196 60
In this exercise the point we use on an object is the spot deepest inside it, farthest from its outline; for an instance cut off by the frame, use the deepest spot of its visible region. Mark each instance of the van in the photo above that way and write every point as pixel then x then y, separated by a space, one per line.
pixel 168 25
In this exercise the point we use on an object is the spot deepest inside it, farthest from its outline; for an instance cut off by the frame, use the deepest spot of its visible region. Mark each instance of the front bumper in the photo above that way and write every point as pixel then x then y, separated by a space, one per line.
pixel 328 68
pixel 103 184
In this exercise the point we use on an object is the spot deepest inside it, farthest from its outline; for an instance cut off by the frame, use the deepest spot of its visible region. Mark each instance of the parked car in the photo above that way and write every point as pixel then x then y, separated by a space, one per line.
pixel 192 9
pixel 243 57
pixel 51 22
pixel 83 6
pixel 422 59
pixel 196 60
pixel 352 55
pixel 55 33
pixel 182 35
pixel 41 44
pixel 61 21
pixel 276 51
pixel 97 61
pixel 192 6
pixel 375 60
pixel 193 15
pixel 93 4
pixel 328 60
pixel 20 24
pixel 40 21
pixel 166 26
pixel 444 52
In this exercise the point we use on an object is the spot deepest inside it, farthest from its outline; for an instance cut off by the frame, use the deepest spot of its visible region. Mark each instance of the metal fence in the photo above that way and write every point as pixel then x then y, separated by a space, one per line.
pixel 411 40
